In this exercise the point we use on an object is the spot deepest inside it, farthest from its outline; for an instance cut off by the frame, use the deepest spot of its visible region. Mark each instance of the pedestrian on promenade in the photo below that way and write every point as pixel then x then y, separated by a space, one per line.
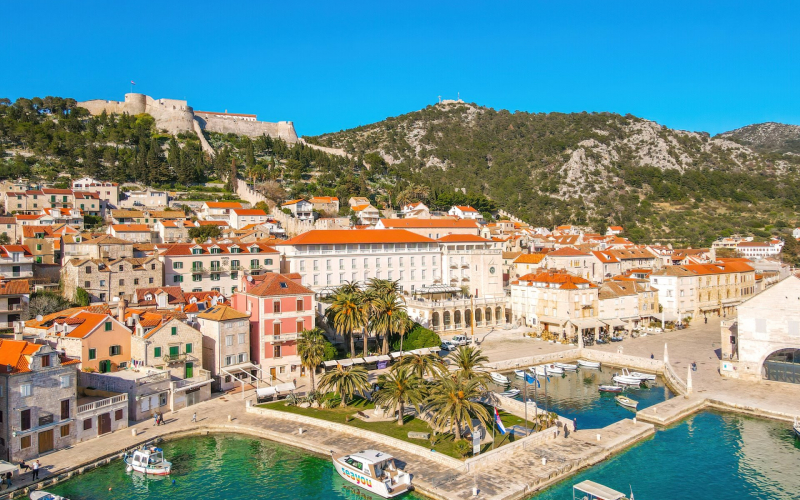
pixel 23 466
pixel 8 480
pixel 194 417
pixel 155 419
pixel 651 356
pixel 35 470
pixel 574 424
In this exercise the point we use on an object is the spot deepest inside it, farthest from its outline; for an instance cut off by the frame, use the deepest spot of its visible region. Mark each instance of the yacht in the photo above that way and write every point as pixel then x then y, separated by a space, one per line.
pixel 499 378
pixel 374 471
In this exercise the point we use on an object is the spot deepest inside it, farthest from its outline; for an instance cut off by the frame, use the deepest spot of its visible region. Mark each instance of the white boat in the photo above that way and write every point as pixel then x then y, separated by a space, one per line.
pixel 590 490
pixel 148 460
pixel 566 366
pixel 499 379
pixel 588 364
pixel 374 471
pixel 626 380
pixel 639 375
pixel 549 369
pixel 510 393
pixel 43 495
pixel 796 427
pixel 630 403
pixel 519 373
pixel 610 388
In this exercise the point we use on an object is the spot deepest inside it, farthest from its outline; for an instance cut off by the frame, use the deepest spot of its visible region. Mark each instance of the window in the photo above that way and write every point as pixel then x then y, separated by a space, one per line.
pixel 302 265
pixel 328 264
pixel 87 424
pixel 177 279
pixel 188 348
pixel 156 352
pixel 121 268
pixel 316 279
pixel 366 263
pixel 300 325
pixel 25 419
pixel 268 262
pixel 92 354
pixel 276 328
pixel 316 265
pixel 229 340
pixel 197 251
pixel 108 326
pixel 197 277
pixel 136 281
pixel 276 351
pixel 64 431
pixel 64 409
pixel 254 264
pixel 25 442
pixel 216 250
pixel 300 306
pixel 215 277
pixel 38 246
pixel 45 361
pixel 276 306
pixel 64 381
pixel 115 350
pixel 162 399
pixel 242 338
pixel 234 265
pixel 25 390
pixel 151 280
pixel 174 350
pixel 177 265
pixel 174 330
pixel 118 415
pixel 328 279
pixel 102 282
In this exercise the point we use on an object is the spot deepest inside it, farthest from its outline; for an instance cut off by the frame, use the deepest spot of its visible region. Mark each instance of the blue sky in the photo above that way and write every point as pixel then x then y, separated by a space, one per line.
pixel 329 66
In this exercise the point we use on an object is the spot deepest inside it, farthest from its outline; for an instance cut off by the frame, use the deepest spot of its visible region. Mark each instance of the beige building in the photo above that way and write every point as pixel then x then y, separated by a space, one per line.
pixel 170 345
pixel 677 292
pixel 573 261
pixel 325 204
pixel 16 261
pixel 101 247
pixel 8 226
pixel 105 190
pixel 226 345
pixel 137 233
pixel 145 198
pixel 722 286
pixel 431 228
pixel 471 262
pixel 367 214
pixel 107 279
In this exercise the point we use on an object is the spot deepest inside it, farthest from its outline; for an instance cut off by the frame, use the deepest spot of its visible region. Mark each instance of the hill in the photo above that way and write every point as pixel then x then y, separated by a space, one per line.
pixel 767 137
pixel 586 168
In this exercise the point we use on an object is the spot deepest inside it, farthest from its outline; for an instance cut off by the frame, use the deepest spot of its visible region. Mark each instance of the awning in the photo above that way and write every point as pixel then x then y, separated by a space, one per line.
pixel 667 316
pixel 194 386
pixel 371 359
pixel 285 387
pixel 712 308
pixel 7 467
pixel 330 364
pixel 398 354
pixel 613 322
pixel 384 357
pixel 239 367
pixel 345 362
pixel 266 392
pixel 585 323
pixel 551 320
pixel 358 361
pixel 429 290
pixel 424 351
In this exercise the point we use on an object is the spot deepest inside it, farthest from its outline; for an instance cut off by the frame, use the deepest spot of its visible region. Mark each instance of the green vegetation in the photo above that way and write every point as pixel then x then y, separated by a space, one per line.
pixel 417 338
pixel 203 233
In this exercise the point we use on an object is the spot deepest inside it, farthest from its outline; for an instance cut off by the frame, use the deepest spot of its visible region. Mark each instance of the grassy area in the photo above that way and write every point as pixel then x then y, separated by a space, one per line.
pixel 410 424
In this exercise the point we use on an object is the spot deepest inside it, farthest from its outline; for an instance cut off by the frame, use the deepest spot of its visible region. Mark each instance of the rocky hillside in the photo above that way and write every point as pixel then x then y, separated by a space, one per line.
pixel 596 168
pixel 767 137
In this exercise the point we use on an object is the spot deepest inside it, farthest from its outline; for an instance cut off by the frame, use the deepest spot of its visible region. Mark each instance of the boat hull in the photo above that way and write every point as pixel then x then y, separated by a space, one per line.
pixel 566 366
pixel 610 388
pixel 519 373
pixel 551 370
pixel 151 471
pixel 622 379
pixel 797 431
pixel 372 485
pixel 588 364
pixel 628 403
pixel 643 376
pixel 500 379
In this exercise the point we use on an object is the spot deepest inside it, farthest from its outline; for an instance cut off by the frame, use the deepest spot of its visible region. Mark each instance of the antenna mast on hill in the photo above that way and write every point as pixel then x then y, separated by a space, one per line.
pixel 459 95
pixel 440 99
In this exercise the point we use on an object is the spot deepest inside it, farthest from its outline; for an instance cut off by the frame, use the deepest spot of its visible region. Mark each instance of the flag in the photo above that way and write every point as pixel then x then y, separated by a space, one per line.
pixel 532 380
pixel 133 83
pixel 498 422
pixel 547 376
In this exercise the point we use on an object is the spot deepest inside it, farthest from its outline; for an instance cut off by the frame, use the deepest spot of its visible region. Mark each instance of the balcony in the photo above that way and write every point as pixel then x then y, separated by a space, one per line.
pixel 199 270
pixel 237 267
pixel 464 266
pixel 280 338
pixel 112 401
pixel 10 307
pixel 175 358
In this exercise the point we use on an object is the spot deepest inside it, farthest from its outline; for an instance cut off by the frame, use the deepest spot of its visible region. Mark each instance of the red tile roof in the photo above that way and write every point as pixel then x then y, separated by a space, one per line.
pixel 130 228
pixel 223 204
pixel 13 353
pixel 466 208
pixel 429 223
pixel 186 248
pixel 15 287
pixel 174 293
pixel 566 280
pixel 249 211
pixel 343 236
pixel 567 252
pixel 278 284
pixel 457 238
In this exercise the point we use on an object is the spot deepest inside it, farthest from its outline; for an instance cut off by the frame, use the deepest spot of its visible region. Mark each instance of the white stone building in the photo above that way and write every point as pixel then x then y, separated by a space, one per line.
pixel 677 291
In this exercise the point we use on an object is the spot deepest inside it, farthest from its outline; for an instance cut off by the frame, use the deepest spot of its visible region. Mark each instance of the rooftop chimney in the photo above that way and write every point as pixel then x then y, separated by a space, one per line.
pixel 121 309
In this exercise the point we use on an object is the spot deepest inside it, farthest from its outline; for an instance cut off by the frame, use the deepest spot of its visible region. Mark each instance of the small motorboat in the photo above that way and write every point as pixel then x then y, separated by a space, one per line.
pixel 374 471
pixel 610 388
pixel 43 495
pixel 499 379
pixel 566 366
pixel 509 393
pixel 626 380
pixel 519 373
pixel 796 427
pixel 628 402
pixel 549 369
pixel 639 375
pixel 148 460
pixel 583 363
pixel 589 490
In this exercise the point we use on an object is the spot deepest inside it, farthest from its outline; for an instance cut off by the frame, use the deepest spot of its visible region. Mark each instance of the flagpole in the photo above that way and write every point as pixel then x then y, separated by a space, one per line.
pixel 494 426
pixel 525 379
pixel 546 408
pixel 535 399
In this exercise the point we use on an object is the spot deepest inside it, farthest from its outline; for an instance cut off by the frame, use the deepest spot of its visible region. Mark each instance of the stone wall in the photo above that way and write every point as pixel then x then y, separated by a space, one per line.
pixel 246 193
pixel 213 123
pixel 291 225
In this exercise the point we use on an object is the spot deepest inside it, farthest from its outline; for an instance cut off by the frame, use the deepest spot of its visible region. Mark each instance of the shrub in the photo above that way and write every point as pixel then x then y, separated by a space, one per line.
pixel 417 338
pixel 462 447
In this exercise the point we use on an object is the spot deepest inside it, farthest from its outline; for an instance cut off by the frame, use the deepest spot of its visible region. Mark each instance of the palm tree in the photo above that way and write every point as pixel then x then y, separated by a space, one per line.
pixel 386 309
pixel 423 364
pixel 399 387
pixel 311 349
pixel 468 362
pixel 453 400
pixel 349 287
pixel 346 314
pixel 345 381
pixel 402 324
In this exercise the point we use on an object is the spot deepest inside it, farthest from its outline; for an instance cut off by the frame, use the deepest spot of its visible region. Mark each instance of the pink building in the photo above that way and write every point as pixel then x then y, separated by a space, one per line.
pixel 280 308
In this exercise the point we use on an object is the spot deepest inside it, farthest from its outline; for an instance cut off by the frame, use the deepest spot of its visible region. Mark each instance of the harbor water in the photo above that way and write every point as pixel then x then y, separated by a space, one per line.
pixel 709 455
pixel 220 467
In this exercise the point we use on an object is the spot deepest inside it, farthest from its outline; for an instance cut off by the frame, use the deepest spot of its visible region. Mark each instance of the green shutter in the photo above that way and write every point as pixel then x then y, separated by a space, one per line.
pixel 92 353
pixel 157 352
pixel 174 350
pixel 174 330
pixel 108 326
pixel 188 348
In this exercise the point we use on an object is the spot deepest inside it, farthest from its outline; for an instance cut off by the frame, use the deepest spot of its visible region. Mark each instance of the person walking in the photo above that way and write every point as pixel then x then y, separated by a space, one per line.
pixel 155 419
pixel 8 480
pixel 35 470
pixel 194 417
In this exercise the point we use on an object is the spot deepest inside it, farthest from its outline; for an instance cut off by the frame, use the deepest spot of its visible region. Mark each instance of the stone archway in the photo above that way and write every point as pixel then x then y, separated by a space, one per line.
pixel 488 316
pixel 478 317
pixel 508 316
pixel 467 317
pixel 498 314
pixel 782 365
pixel 435 321
pixel 446 317
pixel 457 319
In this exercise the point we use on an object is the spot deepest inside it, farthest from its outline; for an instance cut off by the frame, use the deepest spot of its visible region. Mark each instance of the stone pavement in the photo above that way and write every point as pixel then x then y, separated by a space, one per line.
pixel 506 481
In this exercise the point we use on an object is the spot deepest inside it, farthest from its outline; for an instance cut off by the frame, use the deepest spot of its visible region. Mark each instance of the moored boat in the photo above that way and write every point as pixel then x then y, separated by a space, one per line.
pixel 43 495
pixel 639 375
pixel 374 471
pixel 583 363
pixel 510 393
pixel 796 427
pixel 630 403
pixel 610 388
pixel 548 369
pixel 499 378
pixel 566 366
pixel 519 373
pixel 626 380
pixel 589 490
pixel 148 460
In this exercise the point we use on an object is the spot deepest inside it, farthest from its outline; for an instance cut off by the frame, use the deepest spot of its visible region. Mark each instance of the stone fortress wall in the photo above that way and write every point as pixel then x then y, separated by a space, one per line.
pixel 177 116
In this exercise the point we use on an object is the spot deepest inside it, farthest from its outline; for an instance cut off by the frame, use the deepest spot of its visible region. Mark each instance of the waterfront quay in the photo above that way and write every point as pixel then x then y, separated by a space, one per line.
pixel 502 474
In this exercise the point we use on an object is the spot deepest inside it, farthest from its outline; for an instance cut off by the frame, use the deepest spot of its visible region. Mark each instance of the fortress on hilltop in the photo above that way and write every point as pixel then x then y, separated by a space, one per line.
pixel 177 116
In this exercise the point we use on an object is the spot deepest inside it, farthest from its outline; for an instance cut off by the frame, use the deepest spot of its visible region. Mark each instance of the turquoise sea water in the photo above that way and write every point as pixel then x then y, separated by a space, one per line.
pixel 575 395
pixel 220 467
pixel 709 456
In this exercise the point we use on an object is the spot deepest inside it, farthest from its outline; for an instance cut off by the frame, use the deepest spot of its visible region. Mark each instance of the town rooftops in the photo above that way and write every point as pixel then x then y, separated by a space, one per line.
pixel 222 313
pixel 561 280
pixel 15 356
pixel 178 249
pixel 462 238
pixel 361 208
pixel 345 236
pixel 223 204
pixel 220 223
pixel 278 284
pixel 15 287
pixel 130 228
pixel 428 223
pixel 529 258
pixel 148 296
pixel 249 211
pixel 292 202
pixel 323 199
pixel 719 268
pixel 7 250
pixel 89 324
pixel 567 252
pixel 466 208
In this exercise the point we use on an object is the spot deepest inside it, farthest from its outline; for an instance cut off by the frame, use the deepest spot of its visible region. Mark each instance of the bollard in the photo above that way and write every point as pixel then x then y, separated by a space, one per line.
pixel 300 431
pixel 598 437
pixel 249 403
pixel 634 420
pixel 230 418
pixel 544 460
pixel 133 431
pixel 475 491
